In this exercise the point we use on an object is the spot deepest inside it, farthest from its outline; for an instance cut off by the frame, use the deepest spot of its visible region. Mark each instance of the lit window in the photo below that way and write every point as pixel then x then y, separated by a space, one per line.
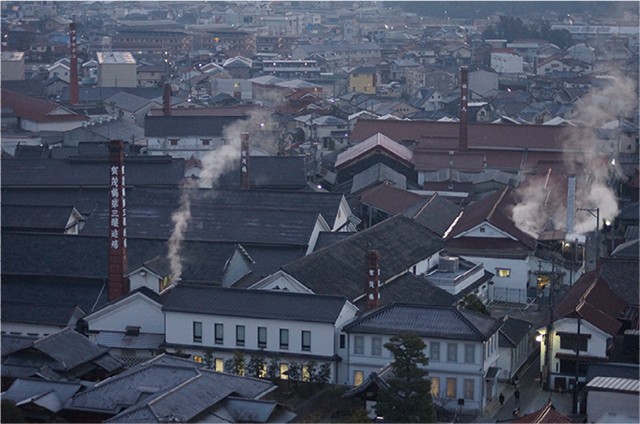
pixel 262 337
pixel 435 386
pixel 219 366
pixel 358 345
pixel 306 340
pixel 219 336
pixel 305 373
pixel 240 335
pixel 358 378
pixel 468 389
pixel 284 338
pixel 197 358
pixel 503 272
pixel 284 368
pixel 263 371
pixel 197 332
pixel 376 346
pixel 451 388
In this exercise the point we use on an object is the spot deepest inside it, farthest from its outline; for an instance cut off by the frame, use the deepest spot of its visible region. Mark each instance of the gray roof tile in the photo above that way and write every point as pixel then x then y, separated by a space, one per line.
pixel 261 304
pixel 426 321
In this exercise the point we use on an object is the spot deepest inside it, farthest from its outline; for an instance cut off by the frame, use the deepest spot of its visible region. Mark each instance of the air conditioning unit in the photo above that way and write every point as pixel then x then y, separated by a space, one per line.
pixel 448 264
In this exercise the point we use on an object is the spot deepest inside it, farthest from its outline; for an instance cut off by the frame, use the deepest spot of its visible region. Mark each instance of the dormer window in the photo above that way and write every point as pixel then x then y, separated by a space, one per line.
pixel 132 330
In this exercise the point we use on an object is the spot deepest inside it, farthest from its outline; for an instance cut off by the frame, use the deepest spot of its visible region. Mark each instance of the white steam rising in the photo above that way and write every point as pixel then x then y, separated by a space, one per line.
pixel 587 157
pixel 214 164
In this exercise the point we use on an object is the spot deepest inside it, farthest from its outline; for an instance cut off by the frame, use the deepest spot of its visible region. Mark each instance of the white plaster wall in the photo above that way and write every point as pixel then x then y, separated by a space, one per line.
pixel 139 311
pixel 320 225
pixel 506 63
pixel 149 280
pixel 29 329
pixel 612 407
pixel 117 75
pixel 50 126
pixel 179 330
pixel 516 282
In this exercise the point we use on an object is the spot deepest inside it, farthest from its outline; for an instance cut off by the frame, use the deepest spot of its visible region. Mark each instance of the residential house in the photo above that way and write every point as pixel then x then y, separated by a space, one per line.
pixel 116 69
pixel 462 348
pixel 182 391
pixel 582 52
pixel 423 77
pixel 516 344
pixel 482 83
pixel 295 327
pixel 585 319
pixel 341 52
pixel 238 67
pixel 506 61
pixel 65 355
pixel 422 53
pixel 400 68
pixel 150 75
pixel 562 63
pixel 547 414
pixel 332 132
pixel 61 70
pixel 130 108
pixel 427 99
pixel 12 66
pixel 40 115
pixel 363 79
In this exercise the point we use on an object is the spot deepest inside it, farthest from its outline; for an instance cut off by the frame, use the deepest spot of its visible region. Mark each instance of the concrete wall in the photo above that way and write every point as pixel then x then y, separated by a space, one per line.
pixel 612 407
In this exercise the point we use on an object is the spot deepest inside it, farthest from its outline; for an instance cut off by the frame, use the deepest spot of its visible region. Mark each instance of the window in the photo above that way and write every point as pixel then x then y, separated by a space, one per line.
pixel 284 338
pixel 306 340
pixel 435 351
pixel 451 388
pixel 435 387
pixel 219 366
pixel 174 142
pixel 376 346
pixel 239 335
pixel 469 354
pixel 219 330
pixel 468 389
pixel 284 368
pixel 305 373
pixel 503 272
pixel 568 341
pixel 358 378
pixel 197 332
pixel 343 341
pixel 205 141
pixel 452 352
pixel 482 230
pixel 262 337
pixel 358 345
pixel 197 359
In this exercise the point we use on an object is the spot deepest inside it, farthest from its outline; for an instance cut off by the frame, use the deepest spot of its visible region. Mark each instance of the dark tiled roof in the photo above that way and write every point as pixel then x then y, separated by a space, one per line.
pixel 630 249
pixel 260 304
pixel 410 288
pixel 183 126
pixel 390 198
pixel 427 321
pixel 435 213
pixel 41 218
pixel 100 94
pixel 79 172
pixel 327 238
pixel 547 414
pixel 630 371
pixel 275 172
pixel 24 389
pixel 83 199
pixel 30 313
pixel 494 209
pixel 212 223
pixel 434 161
pixel 340 268
pixel 269 259
pixel 513 331
pixel 621 274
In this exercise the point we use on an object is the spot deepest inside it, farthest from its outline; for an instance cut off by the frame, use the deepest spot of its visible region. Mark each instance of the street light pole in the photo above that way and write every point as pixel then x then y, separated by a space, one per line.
pixel 597 217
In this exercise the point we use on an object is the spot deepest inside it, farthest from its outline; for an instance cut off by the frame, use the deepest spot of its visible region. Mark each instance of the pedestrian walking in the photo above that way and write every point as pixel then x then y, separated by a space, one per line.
pixel 501 399
pixel 516 394
pixel 515 381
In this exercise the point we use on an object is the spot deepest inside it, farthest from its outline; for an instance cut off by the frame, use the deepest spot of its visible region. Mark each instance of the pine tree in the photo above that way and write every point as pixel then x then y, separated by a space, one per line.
pixel 408 397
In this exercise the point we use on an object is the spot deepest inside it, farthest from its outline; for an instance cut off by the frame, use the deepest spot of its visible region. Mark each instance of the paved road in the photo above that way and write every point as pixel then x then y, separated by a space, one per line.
pixel 529 390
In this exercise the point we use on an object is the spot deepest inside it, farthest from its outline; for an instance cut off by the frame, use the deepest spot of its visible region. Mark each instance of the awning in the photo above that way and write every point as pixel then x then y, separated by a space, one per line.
pixel 492 372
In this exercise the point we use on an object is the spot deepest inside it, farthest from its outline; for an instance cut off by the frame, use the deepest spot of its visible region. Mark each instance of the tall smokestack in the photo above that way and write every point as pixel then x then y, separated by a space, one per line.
pixel 118 285
pixel 464 99
pixel 166 100
pixel 571 204
pixel 74 98
pixel 373 280
pixel 244 161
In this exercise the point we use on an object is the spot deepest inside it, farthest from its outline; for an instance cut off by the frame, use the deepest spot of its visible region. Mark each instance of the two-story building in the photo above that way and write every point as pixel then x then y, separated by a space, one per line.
pixel 462 347
pixel 363 79
pixel 285 327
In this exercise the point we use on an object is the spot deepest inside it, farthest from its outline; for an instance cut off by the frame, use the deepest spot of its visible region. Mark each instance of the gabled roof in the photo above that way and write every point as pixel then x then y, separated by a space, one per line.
pixel 340 268
pixel 259 304
pixel 377 141
pixel 629 371
pixel 435 213
pixel 127 101
pixel 51 395
pixel 495 210
pixel 447 322
pixel 389 198
pixel 547 414
pixel 513 331
pixel 378 173
pixel 41 218
pixel 594 301
pixel 38 110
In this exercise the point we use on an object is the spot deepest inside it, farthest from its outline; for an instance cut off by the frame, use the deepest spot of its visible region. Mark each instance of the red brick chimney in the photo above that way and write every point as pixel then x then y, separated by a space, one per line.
pixel 373 280
pixel 244 160
pixel 74 98
pixel 464 100
pixel 118 284
pixel 166 100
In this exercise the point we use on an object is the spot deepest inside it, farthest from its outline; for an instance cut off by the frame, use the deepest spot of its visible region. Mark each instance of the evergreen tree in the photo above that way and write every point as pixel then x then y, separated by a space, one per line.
pixel 235 365
pixel 207 358
pixel 408 398
pixel 257 366
pixel 473 303
pixel 273 369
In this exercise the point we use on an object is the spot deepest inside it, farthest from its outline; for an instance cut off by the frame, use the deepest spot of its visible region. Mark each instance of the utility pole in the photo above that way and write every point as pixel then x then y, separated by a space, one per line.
pixel 575 385
pixel 548 338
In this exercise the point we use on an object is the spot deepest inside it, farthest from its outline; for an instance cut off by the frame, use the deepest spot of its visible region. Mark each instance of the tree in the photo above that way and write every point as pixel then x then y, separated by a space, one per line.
pixel 473 303
pixel 257 367
pixel 273 369
pixel 10 412
pixel 207 358
pixel 408 397
pixel 235 365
